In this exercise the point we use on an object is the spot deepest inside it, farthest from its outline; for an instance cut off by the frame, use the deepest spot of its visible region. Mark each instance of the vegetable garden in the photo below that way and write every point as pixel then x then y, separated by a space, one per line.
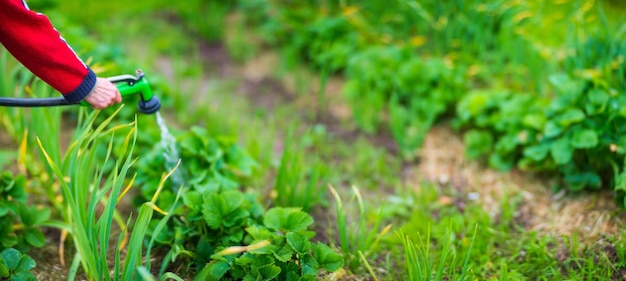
pixel 325 140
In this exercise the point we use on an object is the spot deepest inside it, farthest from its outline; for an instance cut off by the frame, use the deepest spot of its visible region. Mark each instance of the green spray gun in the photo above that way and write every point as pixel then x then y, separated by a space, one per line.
pixel 127 84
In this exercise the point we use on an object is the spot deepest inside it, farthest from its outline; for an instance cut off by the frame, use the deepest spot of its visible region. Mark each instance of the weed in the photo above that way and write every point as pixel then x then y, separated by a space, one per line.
pixel 356 237
pixel 421 263
pixel 296 184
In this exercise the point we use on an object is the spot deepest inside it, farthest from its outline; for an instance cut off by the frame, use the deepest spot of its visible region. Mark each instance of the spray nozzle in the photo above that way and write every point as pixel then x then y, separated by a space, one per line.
pixel 130 85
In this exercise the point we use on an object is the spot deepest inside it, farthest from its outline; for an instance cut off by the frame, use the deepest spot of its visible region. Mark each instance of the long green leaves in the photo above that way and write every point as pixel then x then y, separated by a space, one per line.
pixel 420 261
pixel 358 238
pixel 90 195
pixel 297 182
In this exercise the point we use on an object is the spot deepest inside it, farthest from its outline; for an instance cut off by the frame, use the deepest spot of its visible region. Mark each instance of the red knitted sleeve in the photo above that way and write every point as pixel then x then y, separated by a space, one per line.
pixel 32 40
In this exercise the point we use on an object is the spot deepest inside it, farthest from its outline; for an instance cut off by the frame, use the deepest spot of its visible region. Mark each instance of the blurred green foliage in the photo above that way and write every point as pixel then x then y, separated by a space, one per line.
pixel 533 85
pixel 409 64
pixel 19 223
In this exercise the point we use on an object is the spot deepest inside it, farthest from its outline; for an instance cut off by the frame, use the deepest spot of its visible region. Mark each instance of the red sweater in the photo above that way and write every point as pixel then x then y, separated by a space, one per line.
pixel 32 40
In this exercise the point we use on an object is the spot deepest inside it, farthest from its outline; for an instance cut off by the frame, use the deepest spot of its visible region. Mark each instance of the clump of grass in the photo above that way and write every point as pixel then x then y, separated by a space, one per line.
pixel 358 238
pixel 298 179
pixel 420 261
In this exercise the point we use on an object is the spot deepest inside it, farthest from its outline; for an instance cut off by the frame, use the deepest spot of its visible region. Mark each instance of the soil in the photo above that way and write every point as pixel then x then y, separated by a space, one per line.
pixel 589 215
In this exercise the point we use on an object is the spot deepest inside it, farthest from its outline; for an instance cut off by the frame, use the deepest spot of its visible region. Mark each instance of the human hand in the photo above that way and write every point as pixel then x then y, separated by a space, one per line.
pixel 104 94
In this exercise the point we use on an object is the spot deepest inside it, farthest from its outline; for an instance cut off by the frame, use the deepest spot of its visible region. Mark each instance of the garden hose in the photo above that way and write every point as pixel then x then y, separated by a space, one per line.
pixel 127 85
pixel 33 102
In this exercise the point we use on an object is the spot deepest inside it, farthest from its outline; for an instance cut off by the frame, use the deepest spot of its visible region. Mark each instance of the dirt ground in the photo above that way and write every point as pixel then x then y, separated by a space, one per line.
pixel 588 215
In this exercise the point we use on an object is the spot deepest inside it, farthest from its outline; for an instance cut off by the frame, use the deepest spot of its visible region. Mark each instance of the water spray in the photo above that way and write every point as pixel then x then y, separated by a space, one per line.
pixel 127 84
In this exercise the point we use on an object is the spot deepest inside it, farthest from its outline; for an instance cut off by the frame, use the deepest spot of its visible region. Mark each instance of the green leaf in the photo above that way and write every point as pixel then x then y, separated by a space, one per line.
pixel 35 237
pixel 308 277
pixel 598 96
pixel 283 253
pixel 245 259
pixel 552 129
pixel 203 251
pixel 234 236
pixel 213 210
pixel 224 209
pixel 537 152
pixel 23 276
pixel 11 257
pixel 298 242
pixel 249 277
pixel 292 276
pixel 477 143
pixel 259 261
pixel 620 182
pixel 233 199
pixel 192 200
pixel 500 163
pixel 310 266
pixel 287 219
pixel 562 151
pixel 8 240
pixel 31 216
pixel 4 271
pixel 507 143
pixel 258 233
pixel 43 215
pixel 327 258
pixel 237 272
pixel 534 121
pixel 585 139
pixel 578 181
pixel 256 209
pixel 472 104
pixel 269 272
pixel 240 161
pixel 4 209
pixel 191 145
pixel 215 270
pixel 289 271
pixel 309 234
pixel 13 186
pixel 26 263
pixel 567 85
pixel 571 116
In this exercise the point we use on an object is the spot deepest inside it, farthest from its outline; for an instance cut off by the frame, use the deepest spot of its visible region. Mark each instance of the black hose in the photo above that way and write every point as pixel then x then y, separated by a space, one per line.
pixel 34 102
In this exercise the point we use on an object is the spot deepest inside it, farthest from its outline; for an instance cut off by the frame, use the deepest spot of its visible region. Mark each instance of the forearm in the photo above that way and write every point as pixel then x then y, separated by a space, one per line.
pixel 32 40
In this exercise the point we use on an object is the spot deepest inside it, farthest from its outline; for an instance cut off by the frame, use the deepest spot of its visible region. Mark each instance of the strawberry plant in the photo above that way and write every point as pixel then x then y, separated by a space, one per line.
pixel 287 255
pixel 16 266
pixel 411 91
pixel 500 124
pixel 210 164
pixel 215 215
pixel 19 222
pixel 565 134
